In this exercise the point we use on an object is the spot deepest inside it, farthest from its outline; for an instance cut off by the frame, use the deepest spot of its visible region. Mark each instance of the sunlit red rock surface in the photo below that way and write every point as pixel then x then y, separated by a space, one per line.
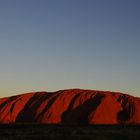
pixel 73 106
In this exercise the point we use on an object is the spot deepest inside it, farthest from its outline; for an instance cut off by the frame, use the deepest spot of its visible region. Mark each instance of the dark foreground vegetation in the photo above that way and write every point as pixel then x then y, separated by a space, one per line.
pixel 69 132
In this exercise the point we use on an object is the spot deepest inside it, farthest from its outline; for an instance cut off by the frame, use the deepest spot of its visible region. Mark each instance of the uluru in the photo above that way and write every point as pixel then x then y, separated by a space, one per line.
pixel 71 106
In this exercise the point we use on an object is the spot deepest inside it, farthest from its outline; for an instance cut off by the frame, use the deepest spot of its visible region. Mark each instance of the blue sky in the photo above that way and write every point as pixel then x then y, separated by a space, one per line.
pixel 47 45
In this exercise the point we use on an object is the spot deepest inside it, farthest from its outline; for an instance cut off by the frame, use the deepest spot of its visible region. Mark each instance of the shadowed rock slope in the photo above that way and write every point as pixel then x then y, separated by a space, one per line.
pixel 73 106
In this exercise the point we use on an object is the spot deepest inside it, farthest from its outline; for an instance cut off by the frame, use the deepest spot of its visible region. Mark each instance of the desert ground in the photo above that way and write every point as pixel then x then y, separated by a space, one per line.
pixel 69 132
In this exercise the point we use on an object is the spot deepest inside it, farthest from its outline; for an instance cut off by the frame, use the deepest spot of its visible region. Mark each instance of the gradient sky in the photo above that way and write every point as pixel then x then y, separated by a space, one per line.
pixel 47 45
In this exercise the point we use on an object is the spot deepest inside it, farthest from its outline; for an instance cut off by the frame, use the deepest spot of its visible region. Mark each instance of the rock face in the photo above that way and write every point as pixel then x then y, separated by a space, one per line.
pixel 73 106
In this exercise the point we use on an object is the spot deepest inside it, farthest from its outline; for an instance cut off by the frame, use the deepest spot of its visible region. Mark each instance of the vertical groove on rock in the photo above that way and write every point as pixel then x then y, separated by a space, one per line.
pixel 81 112
pixel 50 102
pixel 27 114
pixel 127 111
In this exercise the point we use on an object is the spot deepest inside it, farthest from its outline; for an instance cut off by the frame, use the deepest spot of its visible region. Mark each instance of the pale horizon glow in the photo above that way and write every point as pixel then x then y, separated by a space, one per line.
pixel 49 45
